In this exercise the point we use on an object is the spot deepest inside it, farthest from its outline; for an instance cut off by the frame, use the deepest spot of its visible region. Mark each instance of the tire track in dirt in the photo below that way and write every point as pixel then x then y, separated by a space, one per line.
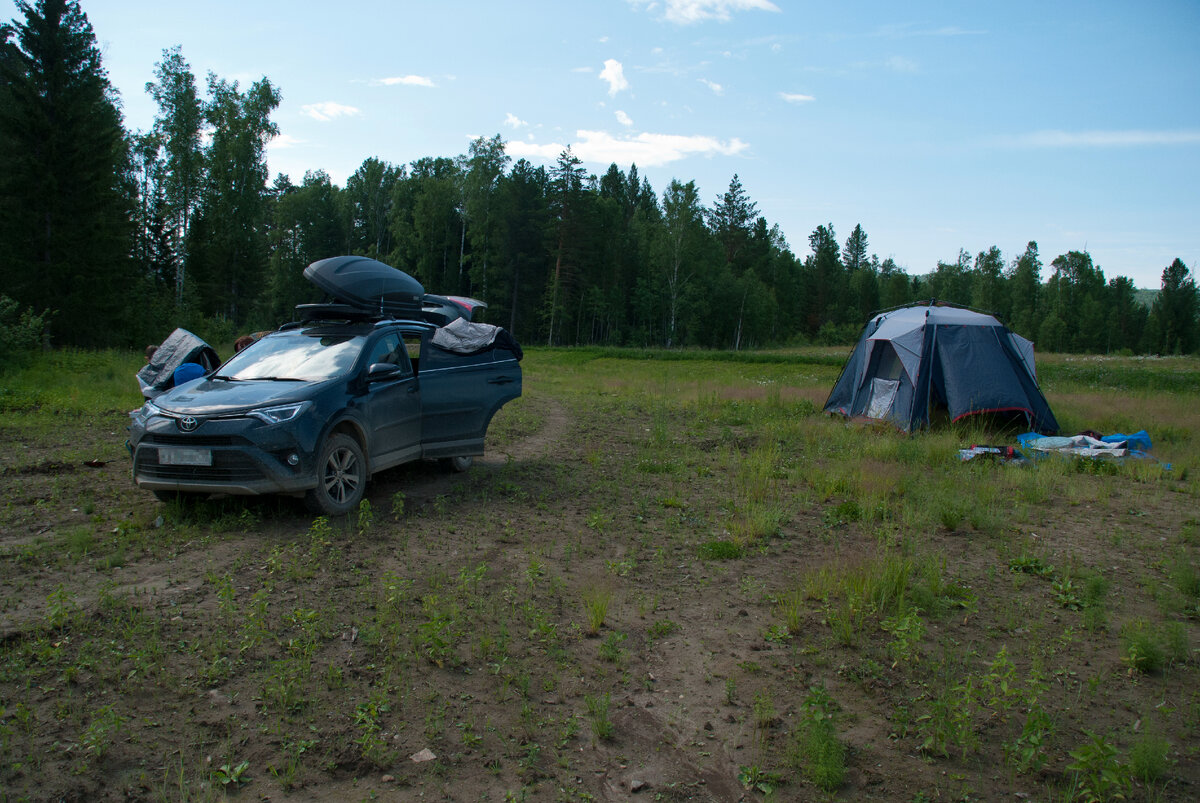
pixel 553 431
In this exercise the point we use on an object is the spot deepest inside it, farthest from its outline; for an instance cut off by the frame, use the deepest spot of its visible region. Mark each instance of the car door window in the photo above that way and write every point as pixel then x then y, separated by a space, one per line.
pixel 389 349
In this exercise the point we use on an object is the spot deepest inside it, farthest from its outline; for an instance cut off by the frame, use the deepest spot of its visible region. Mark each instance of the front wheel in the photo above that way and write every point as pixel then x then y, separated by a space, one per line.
pixel 341 477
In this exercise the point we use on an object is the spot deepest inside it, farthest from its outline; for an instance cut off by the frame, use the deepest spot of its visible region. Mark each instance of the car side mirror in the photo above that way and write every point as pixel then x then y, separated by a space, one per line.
pixel 381 371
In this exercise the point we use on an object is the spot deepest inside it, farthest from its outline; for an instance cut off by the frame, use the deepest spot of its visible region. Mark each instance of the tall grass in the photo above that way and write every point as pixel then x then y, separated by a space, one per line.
pixel 73 382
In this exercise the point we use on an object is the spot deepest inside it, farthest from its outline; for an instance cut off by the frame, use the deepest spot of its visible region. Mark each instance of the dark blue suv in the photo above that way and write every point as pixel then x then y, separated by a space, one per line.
pixel 320 405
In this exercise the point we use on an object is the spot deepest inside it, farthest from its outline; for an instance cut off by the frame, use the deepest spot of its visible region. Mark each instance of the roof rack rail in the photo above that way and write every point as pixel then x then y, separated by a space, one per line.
pixel 335 312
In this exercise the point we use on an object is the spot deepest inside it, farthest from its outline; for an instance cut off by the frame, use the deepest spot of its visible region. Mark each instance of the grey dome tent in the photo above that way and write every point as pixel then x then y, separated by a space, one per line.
pixel 913 359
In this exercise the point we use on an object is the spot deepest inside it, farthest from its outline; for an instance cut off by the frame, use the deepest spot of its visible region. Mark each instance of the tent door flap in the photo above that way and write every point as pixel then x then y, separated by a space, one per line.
pixel 883 396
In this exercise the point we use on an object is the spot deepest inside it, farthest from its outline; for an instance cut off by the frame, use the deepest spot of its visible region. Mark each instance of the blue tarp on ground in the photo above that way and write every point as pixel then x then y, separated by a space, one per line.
pixel 1032 444
pixel 1116 445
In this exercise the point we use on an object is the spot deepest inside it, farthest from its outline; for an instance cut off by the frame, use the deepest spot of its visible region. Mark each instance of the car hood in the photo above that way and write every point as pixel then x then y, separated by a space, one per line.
pixel 221 397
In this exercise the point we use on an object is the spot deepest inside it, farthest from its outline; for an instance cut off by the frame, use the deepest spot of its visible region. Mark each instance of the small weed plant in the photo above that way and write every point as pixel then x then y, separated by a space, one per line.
pixel 1097 773
pixel 596 601
pixel 816 750
pixel 597 712
pixel 1148 759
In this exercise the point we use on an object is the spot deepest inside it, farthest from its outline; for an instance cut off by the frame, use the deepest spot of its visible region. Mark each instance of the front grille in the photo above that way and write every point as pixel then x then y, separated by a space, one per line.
pixel 228 467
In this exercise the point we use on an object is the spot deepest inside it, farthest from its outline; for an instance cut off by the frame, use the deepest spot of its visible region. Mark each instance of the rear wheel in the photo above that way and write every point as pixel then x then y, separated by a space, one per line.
pixel 458 464
pixel 341 477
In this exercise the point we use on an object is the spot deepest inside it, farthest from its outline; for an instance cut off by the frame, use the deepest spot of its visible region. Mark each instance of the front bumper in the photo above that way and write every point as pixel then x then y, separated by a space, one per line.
pixel 248 456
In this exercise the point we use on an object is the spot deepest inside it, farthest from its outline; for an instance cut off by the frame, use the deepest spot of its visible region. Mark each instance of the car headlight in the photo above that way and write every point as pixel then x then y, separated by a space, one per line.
pixel 150 409
pixel 277 415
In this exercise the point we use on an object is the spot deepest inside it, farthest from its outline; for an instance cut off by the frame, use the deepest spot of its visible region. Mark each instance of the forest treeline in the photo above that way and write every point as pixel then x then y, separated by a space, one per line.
pixel 112 238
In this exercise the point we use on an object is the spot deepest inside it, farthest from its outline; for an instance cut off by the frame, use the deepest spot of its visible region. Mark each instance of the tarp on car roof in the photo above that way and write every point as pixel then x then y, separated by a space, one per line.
pixel 464 337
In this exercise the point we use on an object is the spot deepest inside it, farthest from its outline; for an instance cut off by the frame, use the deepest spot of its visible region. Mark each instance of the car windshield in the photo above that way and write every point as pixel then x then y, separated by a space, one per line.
pixel 306 356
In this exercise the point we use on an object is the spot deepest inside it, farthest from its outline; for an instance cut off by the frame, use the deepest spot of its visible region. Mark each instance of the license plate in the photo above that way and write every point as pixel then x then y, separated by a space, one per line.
pixel 175 456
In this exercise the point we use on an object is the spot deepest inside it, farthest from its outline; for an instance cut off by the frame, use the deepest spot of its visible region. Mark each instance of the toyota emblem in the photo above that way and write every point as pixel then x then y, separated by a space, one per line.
pixel 188 423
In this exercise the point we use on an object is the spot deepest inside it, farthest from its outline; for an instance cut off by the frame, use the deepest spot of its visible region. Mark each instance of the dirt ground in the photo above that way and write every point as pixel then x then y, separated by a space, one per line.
pixel 441 650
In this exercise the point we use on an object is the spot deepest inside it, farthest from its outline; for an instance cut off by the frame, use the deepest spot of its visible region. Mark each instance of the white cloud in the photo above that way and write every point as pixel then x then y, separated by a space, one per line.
pixel 648 150
pixel 901 64
pixel 796 97
pixel 406 80
pixel 907 30
pixel 623 118
pixel 514 122
pixel 1098 139
pixel 715 87
pixel 329 110
pixel 614 74
pixel 688 12
pixel 283 142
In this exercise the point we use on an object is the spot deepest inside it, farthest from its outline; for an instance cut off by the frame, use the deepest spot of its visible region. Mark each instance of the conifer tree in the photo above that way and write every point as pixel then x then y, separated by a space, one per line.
pixel 1176 309
pixel 65 234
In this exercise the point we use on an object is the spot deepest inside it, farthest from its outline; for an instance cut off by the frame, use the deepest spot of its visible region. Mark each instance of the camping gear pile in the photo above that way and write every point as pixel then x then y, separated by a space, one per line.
pixel 1088 444
pixel 1085 445
pixel 181 357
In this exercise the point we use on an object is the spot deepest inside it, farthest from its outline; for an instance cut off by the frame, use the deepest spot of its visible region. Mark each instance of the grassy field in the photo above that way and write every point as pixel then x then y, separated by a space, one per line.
pixel 671 576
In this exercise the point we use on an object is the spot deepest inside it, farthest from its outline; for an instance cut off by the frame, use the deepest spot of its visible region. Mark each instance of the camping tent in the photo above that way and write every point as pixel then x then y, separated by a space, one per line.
pixel 913 359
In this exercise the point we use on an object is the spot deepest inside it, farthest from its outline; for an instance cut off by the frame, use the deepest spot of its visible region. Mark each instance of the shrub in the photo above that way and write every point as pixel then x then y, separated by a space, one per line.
pixel 21 331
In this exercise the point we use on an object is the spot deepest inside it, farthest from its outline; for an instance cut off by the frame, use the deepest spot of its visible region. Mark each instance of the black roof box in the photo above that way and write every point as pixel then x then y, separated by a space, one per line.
pixel 368 285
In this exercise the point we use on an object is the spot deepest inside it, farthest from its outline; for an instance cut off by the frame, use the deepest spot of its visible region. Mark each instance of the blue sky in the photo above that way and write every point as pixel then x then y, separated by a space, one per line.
pixel 936 125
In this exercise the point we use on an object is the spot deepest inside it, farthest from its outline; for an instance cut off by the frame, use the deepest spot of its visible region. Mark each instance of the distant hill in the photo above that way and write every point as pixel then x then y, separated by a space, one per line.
pixel 1145 297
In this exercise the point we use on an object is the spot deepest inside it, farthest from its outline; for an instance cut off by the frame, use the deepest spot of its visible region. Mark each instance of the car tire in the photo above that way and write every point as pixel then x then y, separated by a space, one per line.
pixel 341 477
pixel 458 464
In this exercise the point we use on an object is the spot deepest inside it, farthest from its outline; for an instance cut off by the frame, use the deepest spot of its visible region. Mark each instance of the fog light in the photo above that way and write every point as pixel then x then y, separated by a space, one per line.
pixel 293 459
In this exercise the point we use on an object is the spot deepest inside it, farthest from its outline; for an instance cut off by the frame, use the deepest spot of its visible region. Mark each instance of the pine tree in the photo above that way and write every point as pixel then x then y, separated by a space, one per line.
pixel 1024 281
pixel 731 218
pixel 521 252
pixel 854 255
pixel 64 176
pixel 826 279
pixel 566 205
pixel 1176 309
